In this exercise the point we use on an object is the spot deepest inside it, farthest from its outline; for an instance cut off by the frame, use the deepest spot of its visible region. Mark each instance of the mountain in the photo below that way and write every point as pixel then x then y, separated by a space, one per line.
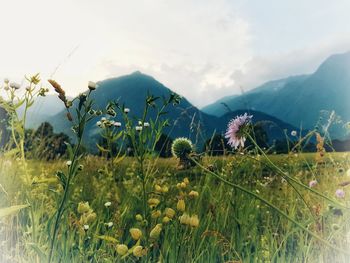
pixel 185 119
pixel 43 109
pixel 298 100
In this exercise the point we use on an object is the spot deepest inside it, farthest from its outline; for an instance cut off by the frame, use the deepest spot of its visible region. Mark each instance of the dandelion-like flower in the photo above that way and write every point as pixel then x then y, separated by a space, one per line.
pixel 235 130
pixel 293 133
pixel 340 193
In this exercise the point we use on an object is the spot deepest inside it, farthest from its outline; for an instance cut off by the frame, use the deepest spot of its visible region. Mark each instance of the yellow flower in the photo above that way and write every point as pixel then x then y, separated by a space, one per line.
pixel 166 220
pixel 183 185
pixel 169 212
pixel 138 251
pixel 122 249
pixel 83 207
pixel 186 181
pixel 165 189
pixel 153 202
pixel 155 232
pixel 193 194
pixel 194 221
pixel 181 206
pixel 90 218
pixel 185 219
pixel 158 188
pixel 156 214
pixel 139 217
pixel 136 233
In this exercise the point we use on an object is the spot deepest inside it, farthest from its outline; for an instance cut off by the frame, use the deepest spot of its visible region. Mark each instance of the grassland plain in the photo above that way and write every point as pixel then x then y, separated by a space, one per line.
pixel 232 226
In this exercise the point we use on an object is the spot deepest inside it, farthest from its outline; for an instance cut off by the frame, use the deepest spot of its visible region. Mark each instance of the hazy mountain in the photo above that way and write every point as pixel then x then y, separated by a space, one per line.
pixel 43 109
pixel 185 119
pixel 298 100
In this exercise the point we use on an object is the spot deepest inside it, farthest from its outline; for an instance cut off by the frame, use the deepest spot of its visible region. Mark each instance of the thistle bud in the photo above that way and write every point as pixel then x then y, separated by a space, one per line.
pixel 135 233
pixel 181 206
pixel 122 249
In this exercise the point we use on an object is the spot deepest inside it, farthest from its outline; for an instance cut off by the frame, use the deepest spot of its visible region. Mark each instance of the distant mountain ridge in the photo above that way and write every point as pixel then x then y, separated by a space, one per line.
pixel 298 100
pixel 185 119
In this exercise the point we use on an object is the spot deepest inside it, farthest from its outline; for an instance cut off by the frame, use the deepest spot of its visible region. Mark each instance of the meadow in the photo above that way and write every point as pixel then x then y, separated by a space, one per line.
pixel 247 206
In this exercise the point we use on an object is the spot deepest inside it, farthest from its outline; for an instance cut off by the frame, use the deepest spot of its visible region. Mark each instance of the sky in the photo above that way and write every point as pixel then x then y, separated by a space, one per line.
pixel 202 49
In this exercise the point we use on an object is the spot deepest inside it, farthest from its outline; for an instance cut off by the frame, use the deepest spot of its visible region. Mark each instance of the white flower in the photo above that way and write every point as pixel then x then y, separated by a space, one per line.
pixel 138 128
pixel 109 224
pixel 126 110
pixel 146 124
pixel 293 133
pixel 103 119
pixel 99 124
pixel 69 163
pixel 117 124
pixel 108 204
pixel 140 123
pixel 15 85
pixel 86 227
pixel 92 85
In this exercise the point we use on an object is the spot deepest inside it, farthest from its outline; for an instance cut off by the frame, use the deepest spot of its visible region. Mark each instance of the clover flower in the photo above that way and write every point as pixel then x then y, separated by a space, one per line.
pixel 236 130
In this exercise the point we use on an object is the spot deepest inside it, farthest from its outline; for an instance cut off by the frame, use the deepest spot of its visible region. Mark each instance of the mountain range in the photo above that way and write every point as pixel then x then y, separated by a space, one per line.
pixel 286 104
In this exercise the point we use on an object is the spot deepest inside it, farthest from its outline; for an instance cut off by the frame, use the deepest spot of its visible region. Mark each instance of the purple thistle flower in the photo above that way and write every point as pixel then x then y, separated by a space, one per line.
pixel 340 193
pixel 312 183
pixel 235 130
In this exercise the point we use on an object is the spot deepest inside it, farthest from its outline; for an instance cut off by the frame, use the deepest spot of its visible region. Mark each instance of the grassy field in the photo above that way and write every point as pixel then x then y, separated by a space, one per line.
pixel 232 225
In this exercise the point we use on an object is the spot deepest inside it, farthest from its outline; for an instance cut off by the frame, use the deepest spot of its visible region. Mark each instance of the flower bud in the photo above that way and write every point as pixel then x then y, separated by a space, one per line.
pixel 155 232
pixel 156 214
pixel 139 217
pixel 136 233
pixel 193 194
pixel 138 251
pixel 92 85
pixel 122 249
pixel 181 205
pixel 185 219
pixel 169 212
pixel 166 220
pixel 153 202
pixel 83 207
pixel 194 221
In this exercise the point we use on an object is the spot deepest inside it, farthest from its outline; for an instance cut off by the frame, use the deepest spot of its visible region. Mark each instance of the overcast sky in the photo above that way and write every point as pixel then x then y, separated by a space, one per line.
pixel 202 49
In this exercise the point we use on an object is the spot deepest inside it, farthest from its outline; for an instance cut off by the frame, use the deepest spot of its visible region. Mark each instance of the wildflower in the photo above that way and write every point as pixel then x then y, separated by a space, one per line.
pixel 186 181
pixel 156 214
pixel 139 217
pixel 83 207
pixel 92 85
pixel 138 128
pixel 99 124
pixel 185 219
pixel 236 130
pixel 293 133
pixel 126 110
pixel 107 204
pixel 91 217
pixel 193 194
pixel 15 85
pixel 109 224
pixel 169 212
pixel 340 193
pixel 183 185
pixel 122 249
pixel 135 233
pixel 86 227
pixel 69 163
pixel 138 251
pixel 157 188
pixel 181 147
pixel 155 232
pixel 165 189
pixel 153 202
pixel 166 220
pixel 181 206
pixel 146 124
pixel 117 124
pixel 312 183
pixel 80 167
pixel 194 221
